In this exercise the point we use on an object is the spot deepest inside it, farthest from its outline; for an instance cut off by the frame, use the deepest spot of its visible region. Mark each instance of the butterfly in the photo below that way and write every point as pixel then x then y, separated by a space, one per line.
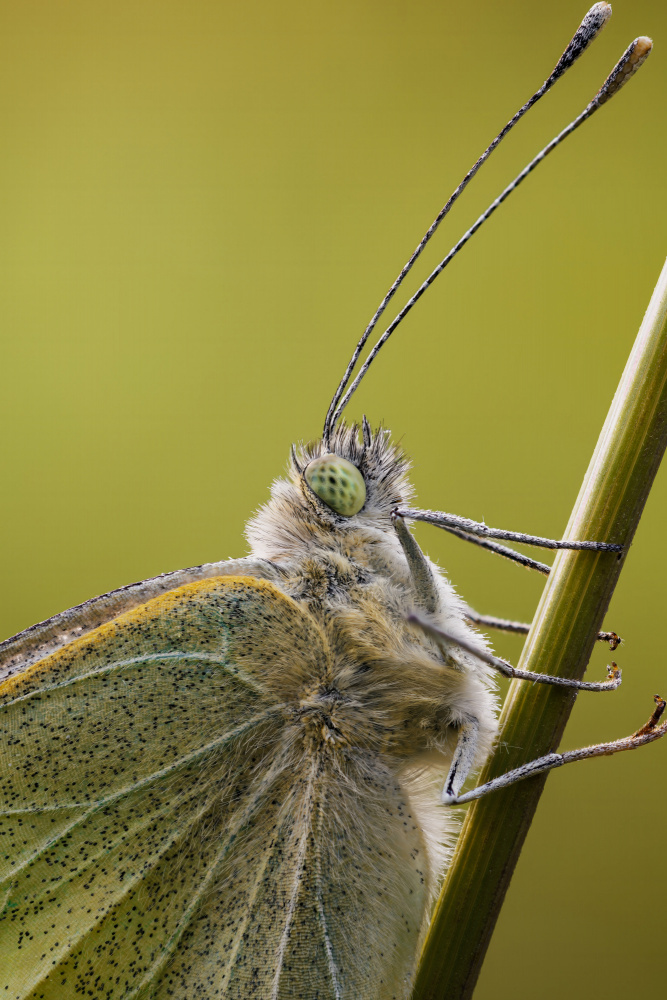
pixel 214 780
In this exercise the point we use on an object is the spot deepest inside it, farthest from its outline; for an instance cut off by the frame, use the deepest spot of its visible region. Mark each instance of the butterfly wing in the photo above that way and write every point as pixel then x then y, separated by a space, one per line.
pixel 135 756
pixel 169 831
pixel 39 640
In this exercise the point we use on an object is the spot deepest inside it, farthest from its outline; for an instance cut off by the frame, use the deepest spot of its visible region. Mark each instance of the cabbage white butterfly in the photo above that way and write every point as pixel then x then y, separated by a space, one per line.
pixel 197 761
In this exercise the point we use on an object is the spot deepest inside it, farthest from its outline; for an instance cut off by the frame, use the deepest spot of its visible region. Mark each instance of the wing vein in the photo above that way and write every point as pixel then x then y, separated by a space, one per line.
pixel 296 884
pixel 240 819
pixel 144 783
pixel 232 830
pixel 320 906
pixel 108 668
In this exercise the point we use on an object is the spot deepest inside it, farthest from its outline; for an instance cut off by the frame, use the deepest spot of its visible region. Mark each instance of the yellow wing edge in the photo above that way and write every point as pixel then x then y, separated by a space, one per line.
pixel 41 640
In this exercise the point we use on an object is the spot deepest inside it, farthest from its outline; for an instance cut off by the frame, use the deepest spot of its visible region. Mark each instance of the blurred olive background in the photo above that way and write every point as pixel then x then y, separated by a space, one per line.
pixel 201 205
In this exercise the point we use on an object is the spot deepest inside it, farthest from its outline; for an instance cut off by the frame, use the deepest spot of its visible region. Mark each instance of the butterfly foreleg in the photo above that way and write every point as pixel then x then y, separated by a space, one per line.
pixel 422 574
pixel 463 526
pixel 497 549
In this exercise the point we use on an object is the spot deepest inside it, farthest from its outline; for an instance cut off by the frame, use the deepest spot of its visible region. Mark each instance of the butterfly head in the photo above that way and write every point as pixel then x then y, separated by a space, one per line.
pixel 358 478
pixel 334 490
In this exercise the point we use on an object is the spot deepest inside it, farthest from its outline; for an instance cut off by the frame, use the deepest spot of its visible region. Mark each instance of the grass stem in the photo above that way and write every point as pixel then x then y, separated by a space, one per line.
pixel 561 639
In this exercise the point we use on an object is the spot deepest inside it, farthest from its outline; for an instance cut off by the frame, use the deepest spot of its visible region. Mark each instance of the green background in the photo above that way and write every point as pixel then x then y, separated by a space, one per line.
pixel 200 206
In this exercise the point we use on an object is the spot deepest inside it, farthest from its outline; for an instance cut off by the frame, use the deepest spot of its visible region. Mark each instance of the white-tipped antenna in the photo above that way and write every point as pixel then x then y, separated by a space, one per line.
pixel 633 57
pixel 591 25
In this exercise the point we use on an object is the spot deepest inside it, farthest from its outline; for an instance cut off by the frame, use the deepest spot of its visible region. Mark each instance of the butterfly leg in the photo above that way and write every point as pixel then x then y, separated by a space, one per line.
pixel 502 666
pixel 497 549
pixel 499 624
pixel 506 625
pixel 420 570
pixel 423 577
pixel 464 526
pixel 652 730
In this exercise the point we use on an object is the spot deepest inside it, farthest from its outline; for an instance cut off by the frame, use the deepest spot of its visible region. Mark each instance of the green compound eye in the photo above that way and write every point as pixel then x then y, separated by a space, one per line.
pixel 338 483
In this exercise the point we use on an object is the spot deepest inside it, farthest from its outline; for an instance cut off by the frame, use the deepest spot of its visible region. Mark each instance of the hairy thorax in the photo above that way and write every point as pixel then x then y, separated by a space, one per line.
pixel 386 687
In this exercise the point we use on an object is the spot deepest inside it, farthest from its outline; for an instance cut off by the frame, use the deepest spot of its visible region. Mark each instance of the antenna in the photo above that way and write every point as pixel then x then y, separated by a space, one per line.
pixel 590 27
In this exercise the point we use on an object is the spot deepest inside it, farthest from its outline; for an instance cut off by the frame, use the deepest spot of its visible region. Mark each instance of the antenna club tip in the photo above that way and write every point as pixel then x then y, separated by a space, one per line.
pixel 634 56
pixel 600 10
pixel 591 26
pixel 637 52
pixel 642 47
pixel 595 19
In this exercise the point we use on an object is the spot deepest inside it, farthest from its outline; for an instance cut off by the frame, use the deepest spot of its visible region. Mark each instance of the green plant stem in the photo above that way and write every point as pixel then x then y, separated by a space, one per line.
pixel 575 599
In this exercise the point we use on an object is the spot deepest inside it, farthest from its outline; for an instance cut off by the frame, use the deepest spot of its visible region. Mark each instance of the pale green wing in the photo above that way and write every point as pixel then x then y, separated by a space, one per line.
pixel 132 759
pixel 178 824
